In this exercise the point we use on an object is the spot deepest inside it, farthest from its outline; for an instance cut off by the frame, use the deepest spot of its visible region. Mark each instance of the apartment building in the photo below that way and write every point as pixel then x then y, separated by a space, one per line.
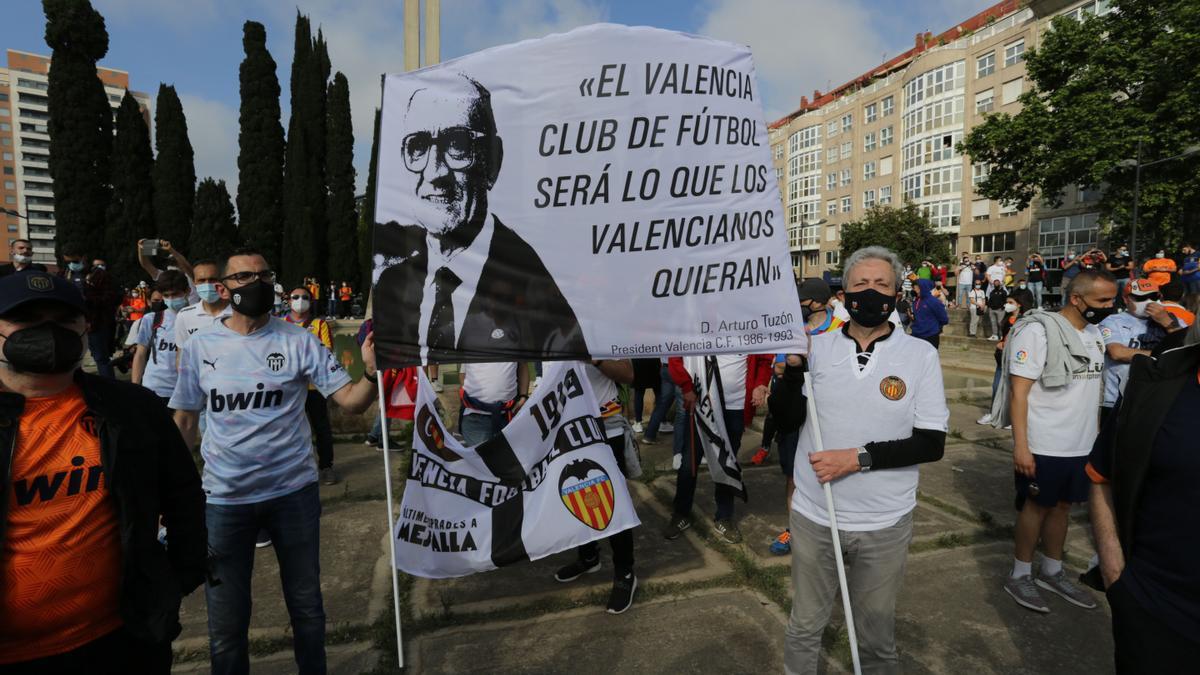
pixel 26 191
pixel 890 136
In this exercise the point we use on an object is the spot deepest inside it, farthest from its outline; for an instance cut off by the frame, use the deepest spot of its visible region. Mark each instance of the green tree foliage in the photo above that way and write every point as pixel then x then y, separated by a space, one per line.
pixel 80 124
pixel 130 214
pixel 304 211
pixel 1098 88
pixel 339 172
pixel 904 230
pixel 214 232
pixel 366 216
pixel 260 147
pixel 174 169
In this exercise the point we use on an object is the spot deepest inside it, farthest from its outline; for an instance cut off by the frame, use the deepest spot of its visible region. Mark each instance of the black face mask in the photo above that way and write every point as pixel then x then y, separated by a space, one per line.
pixel 869 308
pixel 1095 315
pixel 158 307
pixel 253 299
pixel 45 349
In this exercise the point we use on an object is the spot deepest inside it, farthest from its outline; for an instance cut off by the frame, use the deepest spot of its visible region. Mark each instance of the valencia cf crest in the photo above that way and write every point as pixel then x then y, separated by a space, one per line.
pixel 88 422
pixel 587 492
pixel 275 361
pixel 892 388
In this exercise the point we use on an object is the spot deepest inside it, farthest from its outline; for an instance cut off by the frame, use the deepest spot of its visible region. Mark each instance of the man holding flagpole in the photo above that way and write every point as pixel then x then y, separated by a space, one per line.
pixel 881 409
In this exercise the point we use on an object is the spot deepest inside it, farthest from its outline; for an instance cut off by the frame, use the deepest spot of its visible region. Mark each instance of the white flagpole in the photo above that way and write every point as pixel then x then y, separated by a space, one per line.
pixel 387 471
pixel 819 446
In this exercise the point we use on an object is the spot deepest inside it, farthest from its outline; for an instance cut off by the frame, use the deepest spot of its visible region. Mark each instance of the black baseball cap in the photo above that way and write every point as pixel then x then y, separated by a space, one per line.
pixel 816 290
pixel 25 287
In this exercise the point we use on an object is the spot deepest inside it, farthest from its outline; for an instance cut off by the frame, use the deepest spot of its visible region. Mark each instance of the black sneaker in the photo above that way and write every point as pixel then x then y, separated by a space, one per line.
pixel 577 569
pixel 728 531
pixel 621 597
pixel 676 527
pixel 263 539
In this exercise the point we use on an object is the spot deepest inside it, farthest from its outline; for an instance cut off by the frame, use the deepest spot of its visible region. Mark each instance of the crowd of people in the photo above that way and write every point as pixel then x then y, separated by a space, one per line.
pixel 224 359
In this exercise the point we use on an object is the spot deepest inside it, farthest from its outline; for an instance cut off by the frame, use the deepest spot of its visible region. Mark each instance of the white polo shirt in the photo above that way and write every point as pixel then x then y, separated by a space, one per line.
pixel 898 390
pixel 160 374
pixel 489 382
pixel 193 318
pixel 1063 421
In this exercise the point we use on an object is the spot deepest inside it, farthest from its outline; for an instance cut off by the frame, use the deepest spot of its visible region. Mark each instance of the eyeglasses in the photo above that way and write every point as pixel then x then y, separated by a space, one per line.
pixel 243 278
pixel 300 297
pixel 457 145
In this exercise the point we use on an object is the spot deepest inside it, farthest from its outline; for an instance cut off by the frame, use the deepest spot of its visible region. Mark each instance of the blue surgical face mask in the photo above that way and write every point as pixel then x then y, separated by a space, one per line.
pixel 176 304
pixel 208 293
pixel 75 266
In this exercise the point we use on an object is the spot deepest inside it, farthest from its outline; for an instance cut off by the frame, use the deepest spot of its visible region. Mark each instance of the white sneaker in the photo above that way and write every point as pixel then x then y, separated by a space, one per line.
pixel 676 462
pixel 637 427
pixel 1008 427
pixel 666 428
pixel 985 420
pixel 994 338
pixel 437 386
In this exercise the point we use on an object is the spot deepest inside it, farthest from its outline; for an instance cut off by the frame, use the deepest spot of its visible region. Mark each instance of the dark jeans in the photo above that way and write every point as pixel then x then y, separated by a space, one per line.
pixel 621 542
pixel 685 479
pixel 117 653
pixel 768 434
pixel 1144 643
pixel 662 403
pixel 100 345
pixel 294 523
pixel 318 418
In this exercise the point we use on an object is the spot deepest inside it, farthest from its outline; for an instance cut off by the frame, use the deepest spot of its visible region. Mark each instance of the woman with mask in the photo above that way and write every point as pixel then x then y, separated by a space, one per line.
pixel 301 312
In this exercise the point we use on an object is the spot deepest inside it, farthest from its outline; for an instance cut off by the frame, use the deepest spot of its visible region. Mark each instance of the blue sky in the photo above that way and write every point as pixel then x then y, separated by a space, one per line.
pixel 798 45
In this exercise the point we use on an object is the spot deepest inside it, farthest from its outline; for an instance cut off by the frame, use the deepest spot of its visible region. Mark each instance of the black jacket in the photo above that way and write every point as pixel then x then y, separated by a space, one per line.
pixel 1130 430
pixel 517 308
pixel 149 472
pixel 8 268
pixel 997 298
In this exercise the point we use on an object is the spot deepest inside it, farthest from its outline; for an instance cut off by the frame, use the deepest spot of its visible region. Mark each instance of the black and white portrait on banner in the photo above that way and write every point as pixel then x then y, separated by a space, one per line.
pixel 605 193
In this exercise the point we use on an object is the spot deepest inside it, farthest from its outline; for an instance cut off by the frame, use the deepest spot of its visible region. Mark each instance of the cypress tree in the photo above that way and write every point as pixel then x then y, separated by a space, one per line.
pixel 80 123
pixel 339 158
pixel 174 169
pixel 304 189
pixel 260 147
pixel 366 216
pixel 214 232
pixel 130 214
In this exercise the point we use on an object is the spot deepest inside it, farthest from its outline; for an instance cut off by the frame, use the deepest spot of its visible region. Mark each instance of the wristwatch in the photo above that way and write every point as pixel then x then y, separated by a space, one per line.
pixel 864 460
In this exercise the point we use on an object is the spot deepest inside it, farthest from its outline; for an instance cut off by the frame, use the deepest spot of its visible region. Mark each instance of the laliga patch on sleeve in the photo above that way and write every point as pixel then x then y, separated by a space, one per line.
pixel 1105 332
pixel 1022 356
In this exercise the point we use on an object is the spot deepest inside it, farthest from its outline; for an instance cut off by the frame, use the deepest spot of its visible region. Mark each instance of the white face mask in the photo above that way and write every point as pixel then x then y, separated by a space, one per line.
pixel 22 259
pixel 1138 309
pixel 1011 307
pixel 1160 254
pixel 301 306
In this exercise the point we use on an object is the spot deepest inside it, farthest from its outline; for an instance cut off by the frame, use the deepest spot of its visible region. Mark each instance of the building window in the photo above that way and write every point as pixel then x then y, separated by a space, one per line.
pixel 943 214
pixel 868 199
pixel 1057 235
pixel 8 171
pixel 833 257
pixel 794 190
pixel 999 242
pixel 9 199
pixel 847 149
pixel 985 101
pixel 846 205
pixel 885 166
pixel 885 136
pixel 831 155
pixel 985 65
pixel 10 185
pixel 831 207
pixel 979 173
pixel 831 233
pixel 935 82
pixel 1088 195
pixel 3 97
pixel 869 142
pixel 885 194
pixel 778 173
pixel 831 181
pixel 845 177
pixel 809 161
pixel 7 156
pixel 831 129
pixel 1014 53
pixel 847 121
pixel 888 105
pixel 1008 208
pixel 779 151
pixel 1011 91
pixel 868 170
pixel 981 209
pixel 871 112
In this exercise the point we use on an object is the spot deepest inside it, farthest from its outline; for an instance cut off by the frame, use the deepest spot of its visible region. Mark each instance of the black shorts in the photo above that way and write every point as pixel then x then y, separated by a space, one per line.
pixel 1057 479
pixel 787 452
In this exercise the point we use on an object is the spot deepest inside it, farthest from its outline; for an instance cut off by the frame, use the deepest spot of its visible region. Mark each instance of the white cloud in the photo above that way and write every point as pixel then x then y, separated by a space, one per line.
pixel 799 45
pixel 213 131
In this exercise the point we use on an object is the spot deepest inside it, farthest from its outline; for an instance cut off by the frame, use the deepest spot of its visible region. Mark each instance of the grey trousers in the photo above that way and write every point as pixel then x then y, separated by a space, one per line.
pixel 975 318
pixel 996 316
pixel 874 571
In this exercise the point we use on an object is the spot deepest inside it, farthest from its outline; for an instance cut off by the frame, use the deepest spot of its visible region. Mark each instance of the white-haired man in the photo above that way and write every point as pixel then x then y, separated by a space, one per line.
pixel 882 411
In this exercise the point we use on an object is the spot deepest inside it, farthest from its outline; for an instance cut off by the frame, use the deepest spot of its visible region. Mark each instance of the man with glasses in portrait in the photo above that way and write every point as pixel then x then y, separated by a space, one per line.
pixel 465 281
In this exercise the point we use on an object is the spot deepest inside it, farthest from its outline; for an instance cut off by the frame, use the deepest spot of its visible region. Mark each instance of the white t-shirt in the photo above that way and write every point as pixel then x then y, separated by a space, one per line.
pixel 131 339
pixel 1126 330
pixel 160 374
pixel 997 272
pixel 489 382
pixel 978 297
pixel 606 393
pixel 1062 420
pixel 193 318
pixel 258 444
pixel 732 368
pixel 966 275
pixel 898 390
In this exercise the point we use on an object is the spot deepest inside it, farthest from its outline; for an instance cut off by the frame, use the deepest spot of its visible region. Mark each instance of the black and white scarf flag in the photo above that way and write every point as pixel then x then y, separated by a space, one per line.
pixel 547 483
pixel 708 422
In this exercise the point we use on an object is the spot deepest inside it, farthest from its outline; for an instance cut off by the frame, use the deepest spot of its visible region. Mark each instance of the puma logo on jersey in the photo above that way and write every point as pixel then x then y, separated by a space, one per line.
pixel 47 487
pixel 248 400
pixel 212 363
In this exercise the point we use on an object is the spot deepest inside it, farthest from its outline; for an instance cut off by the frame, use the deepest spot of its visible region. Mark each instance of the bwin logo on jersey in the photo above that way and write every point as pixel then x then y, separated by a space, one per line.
pixel 275 360
pixel 248 400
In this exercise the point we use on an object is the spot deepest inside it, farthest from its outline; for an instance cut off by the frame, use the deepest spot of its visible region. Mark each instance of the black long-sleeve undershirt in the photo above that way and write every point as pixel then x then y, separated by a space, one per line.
pixel 787 405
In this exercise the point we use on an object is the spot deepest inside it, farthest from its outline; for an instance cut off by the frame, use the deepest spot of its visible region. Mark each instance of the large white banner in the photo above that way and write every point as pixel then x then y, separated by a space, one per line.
pixel 547 483
pixel 606 192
